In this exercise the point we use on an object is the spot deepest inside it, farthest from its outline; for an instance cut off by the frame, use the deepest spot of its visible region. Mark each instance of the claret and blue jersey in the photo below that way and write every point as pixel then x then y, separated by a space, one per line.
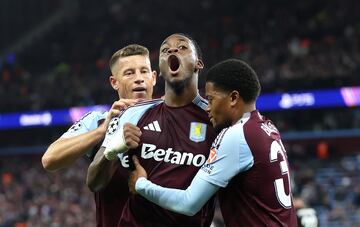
pixel 175 143
pixel 248 168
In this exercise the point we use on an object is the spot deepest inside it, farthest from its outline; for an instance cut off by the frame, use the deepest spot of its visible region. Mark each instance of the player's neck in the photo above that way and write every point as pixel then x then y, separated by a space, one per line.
pixel 241 111
pixel 176 99
pixel 249 107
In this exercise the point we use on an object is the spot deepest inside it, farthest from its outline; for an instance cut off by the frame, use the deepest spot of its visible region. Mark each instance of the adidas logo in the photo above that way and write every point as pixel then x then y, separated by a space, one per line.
pixel 154 126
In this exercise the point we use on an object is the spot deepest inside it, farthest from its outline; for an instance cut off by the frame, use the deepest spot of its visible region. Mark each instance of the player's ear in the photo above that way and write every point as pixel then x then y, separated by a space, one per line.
pixel 199 65
pixel 234 97
pixel 114 82
pixel 154 74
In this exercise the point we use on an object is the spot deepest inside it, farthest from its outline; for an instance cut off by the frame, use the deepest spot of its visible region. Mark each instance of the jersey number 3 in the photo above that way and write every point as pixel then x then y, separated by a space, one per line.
pixel 284 199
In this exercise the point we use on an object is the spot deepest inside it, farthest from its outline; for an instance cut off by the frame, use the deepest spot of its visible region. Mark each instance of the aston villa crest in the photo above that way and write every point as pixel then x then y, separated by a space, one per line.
pixel 197 132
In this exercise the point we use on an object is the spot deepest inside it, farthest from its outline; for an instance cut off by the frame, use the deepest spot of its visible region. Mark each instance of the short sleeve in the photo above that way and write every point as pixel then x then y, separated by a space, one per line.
pixel 131 115
pixel 87 123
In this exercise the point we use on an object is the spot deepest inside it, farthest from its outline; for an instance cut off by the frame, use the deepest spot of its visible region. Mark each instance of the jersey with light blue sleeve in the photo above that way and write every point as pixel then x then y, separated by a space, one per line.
pixel 87 123
pixel 251 155
pixel 131 115
pixel 175 143
pixel 230 154
pixel 187 202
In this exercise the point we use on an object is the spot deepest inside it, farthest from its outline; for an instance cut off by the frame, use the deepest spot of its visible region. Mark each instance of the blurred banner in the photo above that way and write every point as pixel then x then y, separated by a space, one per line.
pixel 343 97
pixel 47 117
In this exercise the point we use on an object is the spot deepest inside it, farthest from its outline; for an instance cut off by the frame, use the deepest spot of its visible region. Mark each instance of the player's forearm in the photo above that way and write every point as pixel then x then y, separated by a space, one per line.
pixel 100 171
pixel 65 151
pixel 187 202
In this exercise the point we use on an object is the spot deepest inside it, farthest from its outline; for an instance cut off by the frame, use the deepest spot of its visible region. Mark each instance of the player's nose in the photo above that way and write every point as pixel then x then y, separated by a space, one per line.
pixel 173 50
pixel 139 78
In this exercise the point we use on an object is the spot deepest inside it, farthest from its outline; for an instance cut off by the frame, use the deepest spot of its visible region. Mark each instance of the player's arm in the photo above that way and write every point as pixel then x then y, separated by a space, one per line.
pixel 187 202
pixel 100 171
pixel 65 151
pixel 234 156
pixel 103 167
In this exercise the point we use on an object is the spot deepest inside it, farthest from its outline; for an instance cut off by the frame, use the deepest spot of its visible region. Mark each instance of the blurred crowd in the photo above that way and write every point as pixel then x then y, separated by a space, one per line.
pixel 316 120
pixel 292 46
pixel 332 187
pixel 31 197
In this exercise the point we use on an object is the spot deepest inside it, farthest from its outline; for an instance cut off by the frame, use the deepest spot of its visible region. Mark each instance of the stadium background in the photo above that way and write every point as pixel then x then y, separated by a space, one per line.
pixel 54 54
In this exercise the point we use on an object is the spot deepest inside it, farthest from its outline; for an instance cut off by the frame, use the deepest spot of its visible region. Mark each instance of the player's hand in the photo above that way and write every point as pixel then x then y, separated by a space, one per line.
pixel 124 139
pixel 138 172
pixel 115 110
pixel 132 135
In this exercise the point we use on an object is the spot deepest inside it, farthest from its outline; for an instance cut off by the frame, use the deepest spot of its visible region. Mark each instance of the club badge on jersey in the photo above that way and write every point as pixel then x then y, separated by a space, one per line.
pixel 197 132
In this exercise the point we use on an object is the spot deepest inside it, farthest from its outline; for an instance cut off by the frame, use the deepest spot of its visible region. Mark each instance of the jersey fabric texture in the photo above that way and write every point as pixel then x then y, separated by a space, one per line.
pixel 249 159
pixel 175 143
pixel 248 165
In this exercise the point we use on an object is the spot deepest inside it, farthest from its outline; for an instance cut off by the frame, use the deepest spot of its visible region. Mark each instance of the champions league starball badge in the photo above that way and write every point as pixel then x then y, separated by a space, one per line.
pixel 76 126
pixel 113 126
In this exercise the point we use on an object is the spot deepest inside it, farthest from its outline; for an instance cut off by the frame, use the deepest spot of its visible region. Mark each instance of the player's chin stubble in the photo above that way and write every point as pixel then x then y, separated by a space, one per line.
pixel 179 86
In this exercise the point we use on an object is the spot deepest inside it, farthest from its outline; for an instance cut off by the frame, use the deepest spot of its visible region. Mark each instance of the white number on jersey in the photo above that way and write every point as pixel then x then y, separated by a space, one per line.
pixel 284 200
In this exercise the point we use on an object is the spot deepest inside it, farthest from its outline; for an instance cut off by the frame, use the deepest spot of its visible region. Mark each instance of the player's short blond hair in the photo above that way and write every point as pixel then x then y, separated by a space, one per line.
pixel 130 50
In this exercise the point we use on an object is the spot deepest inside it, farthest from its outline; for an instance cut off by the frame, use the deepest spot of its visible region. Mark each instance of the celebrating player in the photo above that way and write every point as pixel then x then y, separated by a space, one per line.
pixel 247 164
pixel 133 80
pixel 175 135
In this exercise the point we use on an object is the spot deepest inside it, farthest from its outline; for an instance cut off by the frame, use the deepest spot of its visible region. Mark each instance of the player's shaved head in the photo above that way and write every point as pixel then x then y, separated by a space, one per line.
pixel 130 50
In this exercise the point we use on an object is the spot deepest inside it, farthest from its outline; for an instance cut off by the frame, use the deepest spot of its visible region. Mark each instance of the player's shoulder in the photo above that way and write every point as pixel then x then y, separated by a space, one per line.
pixel 93 116
pixel 238 132
pixel 86 123
pixel 229 135
pixel 200 102
pixel 259 125
pixel 144 105
pixel 133 113
pixel 151 102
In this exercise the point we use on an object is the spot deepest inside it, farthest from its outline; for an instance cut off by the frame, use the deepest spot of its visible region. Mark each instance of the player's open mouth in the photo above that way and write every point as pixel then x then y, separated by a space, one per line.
pixel 174 64
pixel 139 89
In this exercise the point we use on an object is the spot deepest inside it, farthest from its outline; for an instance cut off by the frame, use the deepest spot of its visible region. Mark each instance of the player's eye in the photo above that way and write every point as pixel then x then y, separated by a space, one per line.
pixel 128 73
pixel 164 50
pixel 182 47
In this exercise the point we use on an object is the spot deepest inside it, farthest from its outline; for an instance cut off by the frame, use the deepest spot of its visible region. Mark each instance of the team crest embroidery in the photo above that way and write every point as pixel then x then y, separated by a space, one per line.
pixel 197 132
